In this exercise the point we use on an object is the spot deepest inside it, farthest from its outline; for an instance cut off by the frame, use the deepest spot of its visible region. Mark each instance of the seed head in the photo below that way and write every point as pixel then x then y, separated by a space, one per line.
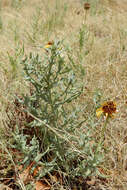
pixel 86 6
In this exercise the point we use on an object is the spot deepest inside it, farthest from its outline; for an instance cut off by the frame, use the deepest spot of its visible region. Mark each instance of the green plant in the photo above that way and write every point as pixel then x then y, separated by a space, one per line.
pixel 55 17
pixel 63 141
pixel 16 4
pixel 1 20
pixel 35 25
pixel 1 24
pixel 83 40
pixel 14 60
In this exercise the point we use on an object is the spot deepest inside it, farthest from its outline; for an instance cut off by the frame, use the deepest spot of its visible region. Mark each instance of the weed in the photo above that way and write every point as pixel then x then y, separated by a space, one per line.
pixel 36 25
pixel 1 24
pixel 31 134
pixel 61 141
pixel 16 4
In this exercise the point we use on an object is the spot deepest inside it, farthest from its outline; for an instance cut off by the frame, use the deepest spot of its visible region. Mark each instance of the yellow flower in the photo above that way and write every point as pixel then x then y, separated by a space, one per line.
pixel 108 108
pixel 48 45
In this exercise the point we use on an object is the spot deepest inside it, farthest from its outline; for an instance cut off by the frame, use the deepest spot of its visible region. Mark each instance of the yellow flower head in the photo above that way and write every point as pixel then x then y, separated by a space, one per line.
pixel 108 108
pixel 48 45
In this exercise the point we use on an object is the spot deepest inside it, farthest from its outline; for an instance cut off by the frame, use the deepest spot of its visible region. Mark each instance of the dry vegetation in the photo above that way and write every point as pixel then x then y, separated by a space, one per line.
pixel 103 55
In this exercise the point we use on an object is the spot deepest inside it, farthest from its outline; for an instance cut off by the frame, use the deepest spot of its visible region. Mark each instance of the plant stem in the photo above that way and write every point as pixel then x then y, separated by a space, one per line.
pixel 103 132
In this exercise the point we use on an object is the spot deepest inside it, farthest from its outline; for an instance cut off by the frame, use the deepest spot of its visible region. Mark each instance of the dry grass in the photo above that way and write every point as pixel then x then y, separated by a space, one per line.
pixel 33 23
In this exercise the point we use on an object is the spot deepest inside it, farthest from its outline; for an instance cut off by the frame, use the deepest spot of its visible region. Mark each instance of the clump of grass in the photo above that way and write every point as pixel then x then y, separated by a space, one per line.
pixel 55 18
pixel 16 4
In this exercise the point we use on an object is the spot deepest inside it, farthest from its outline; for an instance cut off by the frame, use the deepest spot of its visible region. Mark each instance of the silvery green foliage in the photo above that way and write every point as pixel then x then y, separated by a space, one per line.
pixel 62 138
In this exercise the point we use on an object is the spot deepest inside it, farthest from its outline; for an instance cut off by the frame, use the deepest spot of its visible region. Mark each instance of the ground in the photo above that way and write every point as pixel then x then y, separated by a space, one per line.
pixel 97 38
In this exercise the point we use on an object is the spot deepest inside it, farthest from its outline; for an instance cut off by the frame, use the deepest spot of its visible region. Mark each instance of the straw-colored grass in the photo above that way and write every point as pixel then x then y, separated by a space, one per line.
pixel 33 23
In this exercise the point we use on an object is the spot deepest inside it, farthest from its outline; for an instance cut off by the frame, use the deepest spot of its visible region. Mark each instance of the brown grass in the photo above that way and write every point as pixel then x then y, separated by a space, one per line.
pixel 106 63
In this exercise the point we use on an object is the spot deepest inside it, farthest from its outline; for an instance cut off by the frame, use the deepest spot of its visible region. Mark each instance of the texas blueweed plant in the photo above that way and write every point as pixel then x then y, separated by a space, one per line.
pixel 64 141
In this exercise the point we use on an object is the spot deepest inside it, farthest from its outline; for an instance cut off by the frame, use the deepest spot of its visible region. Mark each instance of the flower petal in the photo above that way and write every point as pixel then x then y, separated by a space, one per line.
pixel 99 111
pixel 47 46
